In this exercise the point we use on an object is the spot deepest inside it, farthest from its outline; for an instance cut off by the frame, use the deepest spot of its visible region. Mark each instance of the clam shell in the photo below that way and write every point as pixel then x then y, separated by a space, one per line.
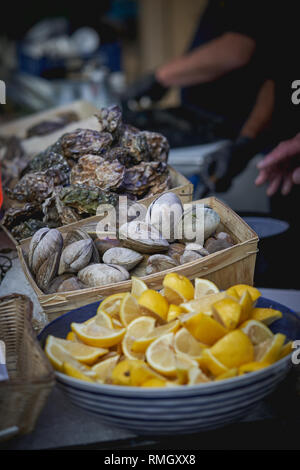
pixel 76 256
pixel 34 243
pixel 211 220
pixel 189 255
pixel 122 257
pixel 47 271
pixel 71 284
pixel 105 244
pixel 142 237
pixel 157 263
pixel 78 234
pixel 164 213
pixel 100 274
pixel 50 245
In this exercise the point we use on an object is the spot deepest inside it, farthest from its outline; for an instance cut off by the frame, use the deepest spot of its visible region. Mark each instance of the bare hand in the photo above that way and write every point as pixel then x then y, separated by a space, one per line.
pixel 281 167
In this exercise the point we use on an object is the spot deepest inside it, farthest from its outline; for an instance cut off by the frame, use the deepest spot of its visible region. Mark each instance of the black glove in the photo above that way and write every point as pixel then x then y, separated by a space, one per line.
pixel 222 165
pixel 145 91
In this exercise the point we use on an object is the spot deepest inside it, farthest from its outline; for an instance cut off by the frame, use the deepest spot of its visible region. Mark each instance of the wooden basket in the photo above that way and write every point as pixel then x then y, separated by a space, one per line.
pixel 227 267
pixel 31 377
pixel 180 186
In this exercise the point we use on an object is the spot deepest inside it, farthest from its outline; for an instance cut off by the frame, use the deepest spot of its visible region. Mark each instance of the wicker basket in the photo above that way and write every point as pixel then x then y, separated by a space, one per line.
pixel 31 377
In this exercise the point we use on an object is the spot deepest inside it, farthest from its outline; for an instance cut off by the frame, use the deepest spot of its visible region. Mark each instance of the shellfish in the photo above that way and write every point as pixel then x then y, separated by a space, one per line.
pixel 142 237
pixel 101 274
pixel 122 257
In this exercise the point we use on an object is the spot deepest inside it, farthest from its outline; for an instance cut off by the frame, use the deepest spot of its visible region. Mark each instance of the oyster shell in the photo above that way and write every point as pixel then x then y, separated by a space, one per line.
pixel 160 184
pixel 83 142
pixel 15 215
pixel 53 164
pixel 56 213
pixel 27 228
pixel 122 257
pixel 142 237
pixel 120 154
pixel 158 146
pixel 101 274
pixel 165 213
pixel 93 170
pixel 76 256
pixel 86 200
pixel 136 144
pixel 157 263
pixel 110 119
pixel 141 178
pixel 32 187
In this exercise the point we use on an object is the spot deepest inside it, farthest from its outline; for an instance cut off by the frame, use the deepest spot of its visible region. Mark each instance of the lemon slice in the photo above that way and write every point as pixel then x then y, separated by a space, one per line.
pixel 204 328
pixel 133 372
pixel 161 357
pixel 228 312
pixel 153 303
pixel 96 335
pixel 196 376
pixel 185 343
pixel 228 374
pixel 137 286
pixel 286 350
pixel 270 349
pixel 177 288
pixel 79 351
pixel 129 309
pixel 246 304
pixel 252 367
pixel 102 319
pixel 266 315
pixel 138 328
pixel 212 364
pixel 204 304
pixel 103 369
pixel 233 350
pixel 238 290
pixel 77 373
pixel 57 355
pixel 204 287
pixel 174 312
pixel 184 364
pixel 111 304
pixel 257 331
pixel 141 344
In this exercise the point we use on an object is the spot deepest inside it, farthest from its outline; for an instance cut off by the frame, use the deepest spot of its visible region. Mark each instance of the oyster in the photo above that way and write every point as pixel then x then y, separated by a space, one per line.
pixel 27 228
pixel 13 160
pixel 15 215
pixel 140 178
pixel 86 200
pixel 83 142
pixel 32 187
pixel 120 154
pixel 157 263
pixel 56 213
pixel 158 146
pixel 122 257
pixel 165 213
pixel 136 144
pixel 142 237
pixel 76 256
pixel 93 170
pixel 53 164
pixel 110 119
pixel 101 274
pixel 160 184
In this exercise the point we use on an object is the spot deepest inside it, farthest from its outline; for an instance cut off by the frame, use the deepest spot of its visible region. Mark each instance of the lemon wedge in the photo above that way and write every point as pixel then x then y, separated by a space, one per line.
pixel 204 287
pixel 228 312
pixel 141 344
pixel 136 329
pixel 103 369
pixel 129 309
pixel 177 288
pixel 266 315
pixel 137 286
pixel 77 373
pixel 233 350
pixel 204 328
pixel 153 303
pixel 257 331
pixel 111 304
pixel 96 335
pixel 270 349
pixel 185 343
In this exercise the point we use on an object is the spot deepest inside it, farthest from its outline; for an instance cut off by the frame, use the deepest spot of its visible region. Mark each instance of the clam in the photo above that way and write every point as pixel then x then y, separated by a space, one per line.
pixel 105 244
pixel 71 284
pixel 189 255
pixel 100 274
pixel 140 269
pixel 157 263
pixel 34 243
pixel 198 223
pixel 45 244
pixel 122 257
pixel 76 256
pixel 165 213
pixel 142 237
pixel 78 234
pixel 176 250
pixel 56 282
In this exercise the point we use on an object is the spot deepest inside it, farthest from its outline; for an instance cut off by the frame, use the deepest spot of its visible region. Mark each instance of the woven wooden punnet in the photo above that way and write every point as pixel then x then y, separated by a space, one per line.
pixel 227 267
pixel 31 377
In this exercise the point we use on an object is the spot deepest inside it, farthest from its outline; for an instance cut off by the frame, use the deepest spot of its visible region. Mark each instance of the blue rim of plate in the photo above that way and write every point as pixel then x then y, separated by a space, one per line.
pixel 278 326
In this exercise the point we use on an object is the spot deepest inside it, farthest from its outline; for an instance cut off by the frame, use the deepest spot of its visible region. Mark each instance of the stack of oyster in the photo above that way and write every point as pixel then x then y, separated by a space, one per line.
pixel 79 260
pixel 84 169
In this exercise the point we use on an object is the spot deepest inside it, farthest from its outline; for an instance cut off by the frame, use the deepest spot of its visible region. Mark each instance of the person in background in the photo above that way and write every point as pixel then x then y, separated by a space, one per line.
pixel 222 73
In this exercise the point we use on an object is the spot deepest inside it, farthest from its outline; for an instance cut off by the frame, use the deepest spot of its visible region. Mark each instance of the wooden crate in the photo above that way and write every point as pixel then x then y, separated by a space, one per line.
pixel 227 267
pixel 180 186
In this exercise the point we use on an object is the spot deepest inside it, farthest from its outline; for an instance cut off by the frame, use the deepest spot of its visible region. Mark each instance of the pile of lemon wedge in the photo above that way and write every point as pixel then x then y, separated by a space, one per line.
pixel 186 334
